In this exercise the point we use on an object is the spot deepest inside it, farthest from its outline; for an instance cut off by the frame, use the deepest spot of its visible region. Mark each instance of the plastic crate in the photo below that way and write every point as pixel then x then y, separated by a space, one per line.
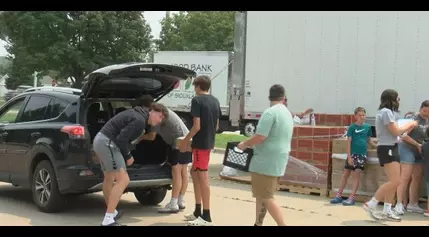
pixel 237 160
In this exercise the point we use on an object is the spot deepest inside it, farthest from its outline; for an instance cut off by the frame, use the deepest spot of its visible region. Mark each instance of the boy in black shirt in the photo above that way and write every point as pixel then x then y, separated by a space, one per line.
pixel 206 111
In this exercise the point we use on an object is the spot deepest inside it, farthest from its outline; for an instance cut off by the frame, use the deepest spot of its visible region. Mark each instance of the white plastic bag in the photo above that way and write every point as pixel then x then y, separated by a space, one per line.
pixel 228 171
pixel 296 120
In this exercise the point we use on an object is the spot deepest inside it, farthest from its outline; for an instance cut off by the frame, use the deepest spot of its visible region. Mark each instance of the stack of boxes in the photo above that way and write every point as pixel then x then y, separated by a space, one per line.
pixel 372 177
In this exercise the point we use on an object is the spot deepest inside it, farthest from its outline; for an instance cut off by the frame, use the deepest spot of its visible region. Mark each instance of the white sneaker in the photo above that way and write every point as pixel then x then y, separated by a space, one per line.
pixel 370 210
pixel 182 205
pixel 399 209
pixel 415 208
pixel 169 208
pixel 199 222
pixel 190 217
pixel 389 216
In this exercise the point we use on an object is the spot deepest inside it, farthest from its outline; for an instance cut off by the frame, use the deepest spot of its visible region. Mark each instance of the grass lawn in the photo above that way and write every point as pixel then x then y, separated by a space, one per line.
pixel 223 139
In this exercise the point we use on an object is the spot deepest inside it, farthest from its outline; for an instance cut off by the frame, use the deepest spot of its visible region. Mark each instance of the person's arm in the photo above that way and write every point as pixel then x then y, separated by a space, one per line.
pixel 262 131
pixel 151 135
pixel 195 112
pixel 411 141
pixel 425 151
pixel 349 144
pixel 303 114
pixel 123 139
pixel 388 119
pixel 218 118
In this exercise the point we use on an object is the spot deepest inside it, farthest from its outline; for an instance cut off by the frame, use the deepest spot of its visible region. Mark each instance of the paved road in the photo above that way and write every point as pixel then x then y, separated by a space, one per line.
pixel 232 205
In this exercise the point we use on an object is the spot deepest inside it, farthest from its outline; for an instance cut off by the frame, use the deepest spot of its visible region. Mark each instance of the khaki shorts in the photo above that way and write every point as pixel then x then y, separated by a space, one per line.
pixel 264 186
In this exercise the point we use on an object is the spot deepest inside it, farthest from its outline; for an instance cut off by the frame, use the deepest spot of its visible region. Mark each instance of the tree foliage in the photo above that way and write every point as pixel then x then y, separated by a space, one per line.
pixel 197 31
pixel 5 65
pixel 72 43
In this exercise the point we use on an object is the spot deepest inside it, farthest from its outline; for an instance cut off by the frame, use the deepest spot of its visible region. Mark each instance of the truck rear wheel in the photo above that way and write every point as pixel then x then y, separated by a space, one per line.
pixel 187 120
pixel 249 128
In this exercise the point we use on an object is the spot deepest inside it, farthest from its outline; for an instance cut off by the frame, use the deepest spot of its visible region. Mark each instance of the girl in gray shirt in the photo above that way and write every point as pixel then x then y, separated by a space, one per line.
pixel 387 131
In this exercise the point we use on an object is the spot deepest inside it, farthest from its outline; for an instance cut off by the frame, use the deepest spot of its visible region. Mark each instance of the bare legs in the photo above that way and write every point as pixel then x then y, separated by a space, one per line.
pixel 416 179
pixel 406 172
pixel 122 181
pixel 113 191
pixel 264 205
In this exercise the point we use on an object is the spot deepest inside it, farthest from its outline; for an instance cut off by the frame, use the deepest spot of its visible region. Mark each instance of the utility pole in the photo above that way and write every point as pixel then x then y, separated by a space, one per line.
pixel 35 78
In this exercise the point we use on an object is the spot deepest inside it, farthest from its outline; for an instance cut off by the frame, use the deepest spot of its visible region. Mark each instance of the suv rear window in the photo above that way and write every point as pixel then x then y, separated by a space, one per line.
pixel 58 107
pixel 36 109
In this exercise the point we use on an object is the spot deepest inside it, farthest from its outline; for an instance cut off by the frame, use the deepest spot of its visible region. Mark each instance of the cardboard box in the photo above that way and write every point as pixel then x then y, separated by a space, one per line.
pixel 339 146
pixel 370 179
pixel 372 152
pixel 178 140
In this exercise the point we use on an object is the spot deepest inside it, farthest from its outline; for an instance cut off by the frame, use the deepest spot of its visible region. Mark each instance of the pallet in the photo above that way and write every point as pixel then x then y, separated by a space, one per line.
pixel 292 188
pixel 303 190
pixel 238 179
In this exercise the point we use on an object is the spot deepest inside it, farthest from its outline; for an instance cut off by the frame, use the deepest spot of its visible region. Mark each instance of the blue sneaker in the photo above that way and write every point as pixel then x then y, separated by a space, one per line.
pixel 336 200
pixel 349 202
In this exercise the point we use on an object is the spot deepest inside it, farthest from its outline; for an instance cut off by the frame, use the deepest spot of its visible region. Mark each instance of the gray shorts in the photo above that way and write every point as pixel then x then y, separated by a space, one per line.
pixel 108 154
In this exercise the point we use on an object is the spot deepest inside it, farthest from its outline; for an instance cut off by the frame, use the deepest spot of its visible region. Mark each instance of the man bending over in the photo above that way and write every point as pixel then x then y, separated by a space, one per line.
pixel 111 148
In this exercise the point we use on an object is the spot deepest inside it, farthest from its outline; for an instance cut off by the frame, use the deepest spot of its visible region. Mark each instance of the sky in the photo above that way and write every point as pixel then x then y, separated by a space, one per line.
pixel 152 17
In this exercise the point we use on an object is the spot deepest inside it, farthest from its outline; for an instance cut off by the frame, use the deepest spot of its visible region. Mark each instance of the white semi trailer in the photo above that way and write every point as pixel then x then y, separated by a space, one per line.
pixel 331 61
pixel 215 64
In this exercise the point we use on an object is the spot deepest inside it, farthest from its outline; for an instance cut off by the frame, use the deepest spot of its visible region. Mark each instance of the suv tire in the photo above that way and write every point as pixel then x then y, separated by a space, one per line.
pixel 45 191
pixel 150 197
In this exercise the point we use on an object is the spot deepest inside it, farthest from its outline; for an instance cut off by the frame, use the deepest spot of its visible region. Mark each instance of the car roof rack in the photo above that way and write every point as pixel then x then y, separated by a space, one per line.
pixel 67 90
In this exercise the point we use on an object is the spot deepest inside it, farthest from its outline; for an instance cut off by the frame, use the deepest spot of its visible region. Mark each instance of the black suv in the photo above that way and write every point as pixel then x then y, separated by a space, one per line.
pixel 46 135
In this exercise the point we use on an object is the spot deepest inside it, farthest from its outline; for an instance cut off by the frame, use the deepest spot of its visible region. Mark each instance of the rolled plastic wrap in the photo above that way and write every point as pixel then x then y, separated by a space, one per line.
pixel 301 173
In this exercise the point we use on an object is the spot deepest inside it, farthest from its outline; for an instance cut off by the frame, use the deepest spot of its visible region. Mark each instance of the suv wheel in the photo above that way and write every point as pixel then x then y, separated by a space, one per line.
pixel 45 189
pixel 150 197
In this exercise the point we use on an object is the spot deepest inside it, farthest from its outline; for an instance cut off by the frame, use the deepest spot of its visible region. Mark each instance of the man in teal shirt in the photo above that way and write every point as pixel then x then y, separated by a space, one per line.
pixel 272 144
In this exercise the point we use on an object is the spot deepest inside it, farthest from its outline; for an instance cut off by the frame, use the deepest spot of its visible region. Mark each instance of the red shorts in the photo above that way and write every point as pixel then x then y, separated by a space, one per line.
pixel 200 159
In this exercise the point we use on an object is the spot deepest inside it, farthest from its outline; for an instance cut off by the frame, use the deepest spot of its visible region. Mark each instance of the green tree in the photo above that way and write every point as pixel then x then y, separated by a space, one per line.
pixel 197 31
pixel 5 65
pixel 73 43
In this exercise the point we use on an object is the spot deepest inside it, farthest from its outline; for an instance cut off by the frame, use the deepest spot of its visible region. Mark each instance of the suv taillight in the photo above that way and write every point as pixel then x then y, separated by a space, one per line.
pixel 74 131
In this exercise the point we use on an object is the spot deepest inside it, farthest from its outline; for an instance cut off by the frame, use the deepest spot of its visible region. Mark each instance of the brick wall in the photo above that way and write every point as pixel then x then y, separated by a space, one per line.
pixel 334 119
pixel 313 147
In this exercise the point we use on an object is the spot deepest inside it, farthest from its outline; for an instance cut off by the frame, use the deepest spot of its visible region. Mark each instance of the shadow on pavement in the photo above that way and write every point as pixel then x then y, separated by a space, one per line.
pixel 168 224
pixel 363 223
pixel 81 210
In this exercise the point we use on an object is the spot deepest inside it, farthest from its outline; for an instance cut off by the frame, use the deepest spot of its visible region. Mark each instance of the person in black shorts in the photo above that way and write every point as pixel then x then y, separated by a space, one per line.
pixel 170 130
pixel 206 111
pixel 358 136
pixel 387 131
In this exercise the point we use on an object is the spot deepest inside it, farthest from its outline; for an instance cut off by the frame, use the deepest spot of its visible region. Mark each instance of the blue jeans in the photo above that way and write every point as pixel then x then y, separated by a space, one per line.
pixel 409 155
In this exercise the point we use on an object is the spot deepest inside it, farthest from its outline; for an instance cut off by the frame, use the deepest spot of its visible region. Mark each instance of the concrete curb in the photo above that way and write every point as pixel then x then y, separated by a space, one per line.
pixel 218 150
